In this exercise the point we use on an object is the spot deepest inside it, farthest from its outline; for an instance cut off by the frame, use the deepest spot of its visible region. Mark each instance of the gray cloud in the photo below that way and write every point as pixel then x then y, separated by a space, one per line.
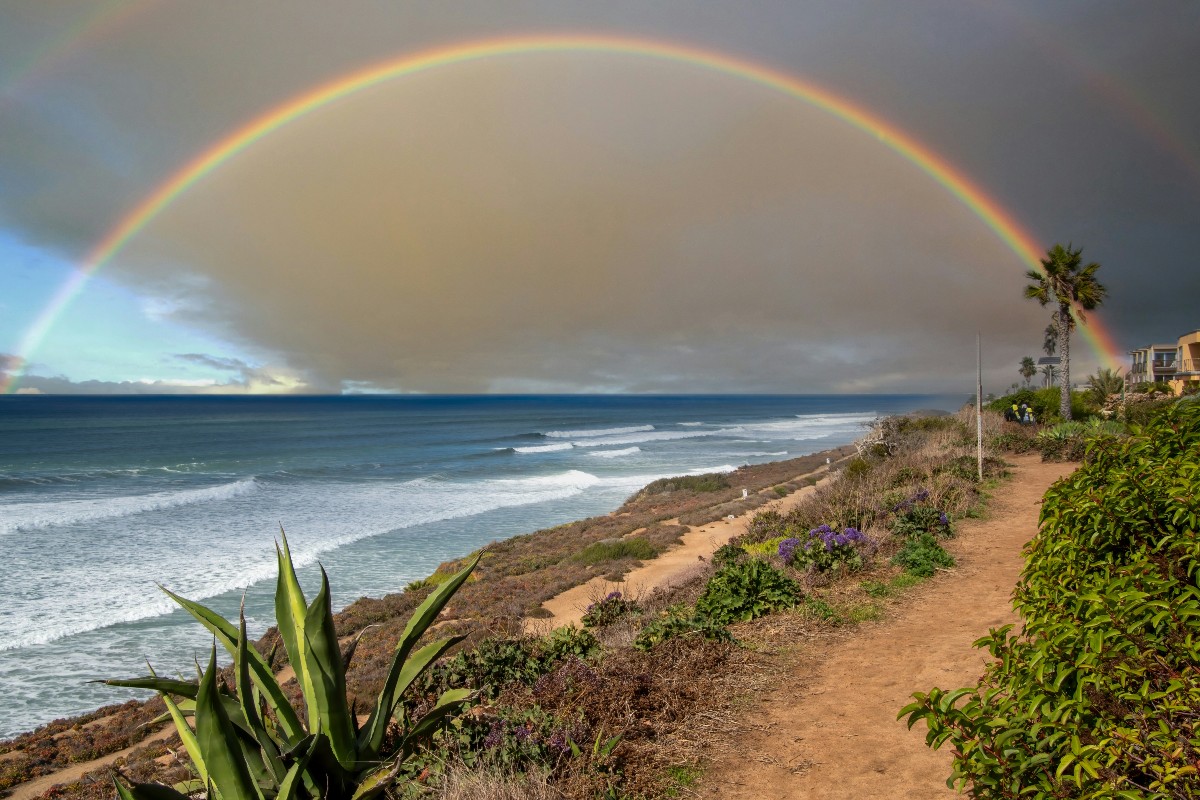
pixel 612 224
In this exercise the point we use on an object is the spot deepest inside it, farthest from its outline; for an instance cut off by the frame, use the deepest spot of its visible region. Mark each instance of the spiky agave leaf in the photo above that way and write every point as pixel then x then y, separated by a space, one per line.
pixel 323 665
pixel 371 736
pixel 219 742
pixel 290 611
pixel 146 791
pixel 260 670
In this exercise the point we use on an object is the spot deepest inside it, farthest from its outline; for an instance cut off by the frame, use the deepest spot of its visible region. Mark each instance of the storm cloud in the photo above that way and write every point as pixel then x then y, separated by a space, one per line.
pixel 595 222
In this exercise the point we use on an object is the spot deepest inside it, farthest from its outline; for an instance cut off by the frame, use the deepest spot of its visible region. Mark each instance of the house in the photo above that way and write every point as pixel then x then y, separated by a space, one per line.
pixel 1153 364
pixel 1187 363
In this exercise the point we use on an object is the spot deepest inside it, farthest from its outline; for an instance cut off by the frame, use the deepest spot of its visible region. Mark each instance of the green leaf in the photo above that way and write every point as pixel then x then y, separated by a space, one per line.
pixel 323 666
pixel 146 791
pixel 449 702
pixel 219 742
pixel 290 612
pixel 371 736
pixel 261 672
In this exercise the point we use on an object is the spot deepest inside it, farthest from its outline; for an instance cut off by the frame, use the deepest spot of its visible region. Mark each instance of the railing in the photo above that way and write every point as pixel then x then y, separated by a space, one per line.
pixel 1189 365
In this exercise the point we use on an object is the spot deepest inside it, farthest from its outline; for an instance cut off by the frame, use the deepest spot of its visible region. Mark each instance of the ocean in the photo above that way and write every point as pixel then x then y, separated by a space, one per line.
pixel 104 498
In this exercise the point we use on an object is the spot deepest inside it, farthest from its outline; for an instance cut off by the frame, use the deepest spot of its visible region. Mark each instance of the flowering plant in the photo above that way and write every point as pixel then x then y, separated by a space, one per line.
pixel 825 548
pixel 915 516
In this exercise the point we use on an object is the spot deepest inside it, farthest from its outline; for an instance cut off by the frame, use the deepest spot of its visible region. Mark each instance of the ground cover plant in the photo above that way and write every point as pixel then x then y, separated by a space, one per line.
pixel 1098 695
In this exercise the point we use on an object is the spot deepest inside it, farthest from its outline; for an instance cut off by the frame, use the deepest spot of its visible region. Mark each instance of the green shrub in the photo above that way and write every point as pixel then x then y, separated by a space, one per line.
pixel 708 482
pixel 856 468
pixel 745 591
pixel 922 556
pixel 680 621
pixel 920 518
pixel 824 549
pixel 726 554
pixel 567 642
pixel 1098 695
pixel 631 547
pixel 611 608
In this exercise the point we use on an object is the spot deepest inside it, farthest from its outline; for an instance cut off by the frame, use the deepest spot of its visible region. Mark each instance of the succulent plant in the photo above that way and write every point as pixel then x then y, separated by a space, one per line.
pixel 249 743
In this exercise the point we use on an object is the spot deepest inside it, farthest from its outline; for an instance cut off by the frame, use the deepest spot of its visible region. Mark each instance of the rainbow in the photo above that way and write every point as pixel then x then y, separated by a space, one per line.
pixel 954 181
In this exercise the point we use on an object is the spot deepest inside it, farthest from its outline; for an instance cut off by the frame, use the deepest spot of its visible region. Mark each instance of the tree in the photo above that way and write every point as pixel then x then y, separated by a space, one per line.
pixel 1072 288
pixel 1104 383
pixel 1050 339
pixel 1028 369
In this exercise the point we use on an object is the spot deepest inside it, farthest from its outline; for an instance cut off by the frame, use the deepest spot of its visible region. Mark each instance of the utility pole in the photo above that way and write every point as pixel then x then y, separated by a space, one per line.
pixel 979 406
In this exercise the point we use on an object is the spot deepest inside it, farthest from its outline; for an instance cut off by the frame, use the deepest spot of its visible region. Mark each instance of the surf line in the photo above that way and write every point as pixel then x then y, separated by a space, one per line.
pixel 953 180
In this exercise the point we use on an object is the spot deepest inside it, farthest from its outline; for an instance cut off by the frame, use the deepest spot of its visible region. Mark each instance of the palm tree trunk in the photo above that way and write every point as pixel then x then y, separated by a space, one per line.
pixel 1064 351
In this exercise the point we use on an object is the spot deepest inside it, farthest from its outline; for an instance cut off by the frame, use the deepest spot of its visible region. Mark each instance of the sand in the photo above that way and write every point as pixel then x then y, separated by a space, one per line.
pixel 675 565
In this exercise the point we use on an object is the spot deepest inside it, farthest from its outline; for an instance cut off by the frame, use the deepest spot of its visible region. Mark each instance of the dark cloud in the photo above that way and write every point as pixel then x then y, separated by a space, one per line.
pixel 615 224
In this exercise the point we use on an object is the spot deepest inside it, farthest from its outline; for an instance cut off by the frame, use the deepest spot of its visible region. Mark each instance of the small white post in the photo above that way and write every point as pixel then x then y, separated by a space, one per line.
pixel 979 405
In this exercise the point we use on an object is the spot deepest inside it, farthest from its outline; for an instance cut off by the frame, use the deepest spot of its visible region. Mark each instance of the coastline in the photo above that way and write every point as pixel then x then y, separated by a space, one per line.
pixel 499 605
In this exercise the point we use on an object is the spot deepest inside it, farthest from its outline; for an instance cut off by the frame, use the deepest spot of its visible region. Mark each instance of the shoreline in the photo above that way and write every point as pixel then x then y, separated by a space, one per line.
pixel 759 480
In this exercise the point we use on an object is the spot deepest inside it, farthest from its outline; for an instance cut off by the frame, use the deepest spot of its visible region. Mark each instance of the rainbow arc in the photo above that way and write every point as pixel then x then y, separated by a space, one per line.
pixel 953 180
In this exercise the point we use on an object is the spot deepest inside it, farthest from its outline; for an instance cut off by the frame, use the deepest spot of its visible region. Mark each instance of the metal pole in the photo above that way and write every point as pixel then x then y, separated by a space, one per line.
pixel 979 405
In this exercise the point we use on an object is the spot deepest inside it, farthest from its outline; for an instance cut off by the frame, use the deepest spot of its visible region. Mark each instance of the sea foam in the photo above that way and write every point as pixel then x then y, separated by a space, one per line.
pixel 28 516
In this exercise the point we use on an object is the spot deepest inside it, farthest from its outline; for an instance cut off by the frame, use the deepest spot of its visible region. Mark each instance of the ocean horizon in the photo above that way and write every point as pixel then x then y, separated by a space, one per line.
pixel 103 498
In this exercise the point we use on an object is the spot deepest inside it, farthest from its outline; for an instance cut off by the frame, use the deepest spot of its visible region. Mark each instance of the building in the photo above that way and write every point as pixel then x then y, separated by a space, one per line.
pixel 1153 364
pixel 1177 365
pixel 1187 363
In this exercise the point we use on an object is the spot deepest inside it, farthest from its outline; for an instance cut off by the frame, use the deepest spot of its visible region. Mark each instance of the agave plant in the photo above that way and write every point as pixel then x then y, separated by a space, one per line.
pixel 249 743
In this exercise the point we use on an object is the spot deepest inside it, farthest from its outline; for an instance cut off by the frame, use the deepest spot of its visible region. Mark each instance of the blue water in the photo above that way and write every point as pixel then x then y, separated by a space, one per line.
pixel 102 498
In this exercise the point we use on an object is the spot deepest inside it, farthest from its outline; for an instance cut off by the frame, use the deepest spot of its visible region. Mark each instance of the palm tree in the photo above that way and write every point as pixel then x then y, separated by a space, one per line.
pixel 1073 289
pixel 1028 369
pixel 1104 383
pixel 1050 339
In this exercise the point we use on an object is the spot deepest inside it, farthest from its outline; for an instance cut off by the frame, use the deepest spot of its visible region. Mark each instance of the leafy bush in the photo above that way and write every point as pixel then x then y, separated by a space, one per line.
pixel 609 609
pixel 708 482
pixel 239 750
pixel 726 554
pixel 1069 441
pixel 1099 695
pixel 680 621
pixel 630 547
pixel 825 549
pixel 914 517
pixel 922 555
pixel 745 591
pixel 764 525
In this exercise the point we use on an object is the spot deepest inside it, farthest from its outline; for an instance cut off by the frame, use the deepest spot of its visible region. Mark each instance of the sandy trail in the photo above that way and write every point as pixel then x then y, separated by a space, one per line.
pixel 674 565
pixel 833 733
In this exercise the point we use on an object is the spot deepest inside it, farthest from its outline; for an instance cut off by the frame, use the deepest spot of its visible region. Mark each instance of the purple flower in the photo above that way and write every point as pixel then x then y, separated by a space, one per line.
pixel 495 735
pixel 559 741
pixel 942 518
pixel 787 549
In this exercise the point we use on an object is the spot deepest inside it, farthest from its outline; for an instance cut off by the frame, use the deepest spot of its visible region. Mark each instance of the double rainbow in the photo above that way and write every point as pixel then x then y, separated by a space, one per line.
pixel 954 181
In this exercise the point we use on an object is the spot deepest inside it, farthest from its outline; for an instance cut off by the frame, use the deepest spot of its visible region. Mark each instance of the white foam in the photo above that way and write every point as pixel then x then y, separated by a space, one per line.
pixel 28 516
pixel 106 589
pixel 543 448
pixel 691 424
pixel 654 436
pixel 628 451
pixel 597 432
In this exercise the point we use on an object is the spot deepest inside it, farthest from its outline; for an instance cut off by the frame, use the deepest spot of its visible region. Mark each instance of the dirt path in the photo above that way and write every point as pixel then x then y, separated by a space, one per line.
pixel 73 772
pixel 833 733
pixel 677 563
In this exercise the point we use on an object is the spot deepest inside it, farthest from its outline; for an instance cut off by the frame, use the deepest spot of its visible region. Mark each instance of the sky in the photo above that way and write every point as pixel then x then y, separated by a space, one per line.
pixel 574 218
